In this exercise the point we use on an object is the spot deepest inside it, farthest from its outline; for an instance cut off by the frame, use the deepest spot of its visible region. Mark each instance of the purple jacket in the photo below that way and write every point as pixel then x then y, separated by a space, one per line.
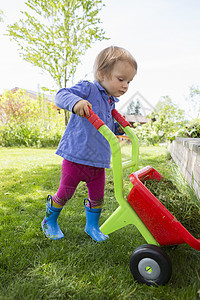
pixel 81 142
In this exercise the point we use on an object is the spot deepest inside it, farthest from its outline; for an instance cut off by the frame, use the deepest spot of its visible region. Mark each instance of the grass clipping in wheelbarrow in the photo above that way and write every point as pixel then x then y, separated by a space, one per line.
pixel 181 205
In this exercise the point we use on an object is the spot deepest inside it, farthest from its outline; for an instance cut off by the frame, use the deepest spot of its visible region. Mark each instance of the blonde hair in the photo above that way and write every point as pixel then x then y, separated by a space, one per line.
pixel 106 59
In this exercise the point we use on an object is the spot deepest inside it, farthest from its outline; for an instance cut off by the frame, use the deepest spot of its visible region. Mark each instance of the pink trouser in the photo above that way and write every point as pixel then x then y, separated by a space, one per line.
pixel 72 174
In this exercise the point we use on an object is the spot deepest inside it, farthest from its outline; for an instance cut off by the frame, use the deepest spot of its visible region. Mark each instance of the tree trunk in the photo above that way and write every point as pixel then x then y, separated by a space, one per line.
pixel 67 114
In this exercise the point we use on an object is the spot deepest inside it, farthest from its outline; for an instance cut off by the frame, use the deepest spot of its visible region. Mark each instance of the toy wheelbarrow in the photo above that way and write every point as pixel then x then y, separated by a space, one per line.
pixel 149 263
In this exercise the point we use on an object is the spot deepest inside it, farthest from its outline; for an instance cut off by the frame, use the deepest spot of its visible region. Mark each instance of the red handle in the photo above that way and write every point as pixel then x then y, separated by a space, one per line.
pixel 118 117
pixel 94 119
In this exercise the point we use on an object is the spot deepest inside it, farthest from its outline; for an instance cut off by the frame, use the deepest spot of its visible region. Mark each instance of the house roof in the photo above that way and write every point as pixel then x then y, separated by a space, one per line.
pixel 136 119
pixel 146 106
pixel 32 94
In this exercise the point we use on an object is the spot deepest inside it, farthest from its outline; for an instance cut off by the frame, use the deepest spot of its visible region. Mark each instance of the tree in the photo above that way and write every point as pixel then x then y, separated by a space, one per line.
pixel 166 120
pixel 56 33
pixel 134 109
pixel 137 108
pixel 169 118
pixel 131 108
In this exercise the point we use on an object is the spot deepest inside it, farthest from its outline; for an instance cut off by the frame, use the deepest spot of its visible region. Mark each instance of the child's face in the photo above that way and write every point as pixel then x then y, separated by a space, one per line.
pixel 117 83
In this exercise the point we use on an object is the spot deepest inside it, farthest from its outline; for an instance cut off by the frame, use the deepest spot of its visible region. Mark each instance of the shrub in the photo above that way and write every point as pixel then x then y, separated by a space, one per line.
pixel 192 130
pixel 146 135
pixel 27 122
pixel 29 135
pixel 168 118
pixel 17 107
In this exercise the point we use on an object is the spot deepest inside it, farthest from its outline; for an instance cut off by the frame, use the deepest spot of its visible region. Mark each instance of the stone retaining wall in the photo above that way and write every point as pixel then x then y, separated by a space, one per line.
pixel 186 154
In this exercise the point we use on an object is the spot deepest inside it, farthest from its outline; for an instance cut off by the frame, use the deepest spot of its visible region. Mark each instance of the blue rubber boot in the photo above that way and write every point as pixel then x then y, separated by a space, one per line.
pixel 50 225
pixel 92 224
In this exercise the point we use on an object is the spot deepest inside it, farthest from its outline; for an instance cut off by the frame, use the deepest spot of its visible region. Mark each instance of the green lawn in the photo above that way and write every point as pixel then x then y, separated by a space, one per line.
pixel 33 267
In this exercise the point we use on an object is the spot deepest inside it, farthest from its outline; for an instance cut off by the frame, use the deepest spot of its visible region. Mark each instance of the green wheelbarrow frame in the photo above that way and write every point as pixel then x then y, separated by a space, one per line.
pixel 124 214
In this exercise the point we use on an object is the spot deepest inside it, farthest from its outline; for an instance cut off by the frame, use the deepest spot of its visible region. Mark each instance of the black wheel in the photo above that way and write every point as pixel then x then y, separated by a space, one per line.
pixel 149 264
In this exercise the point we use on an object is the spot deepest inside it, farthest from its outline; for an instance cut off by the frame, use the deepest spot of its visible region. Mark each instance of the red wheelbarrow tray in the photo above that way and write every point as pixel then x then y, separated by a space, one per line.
pixel 165 228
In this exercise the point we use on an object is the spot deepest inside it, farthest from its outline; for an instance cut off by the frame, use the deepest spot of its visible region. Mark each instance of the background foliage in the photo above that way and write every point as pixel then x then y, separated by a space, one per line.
pixel 28 122
pixel 167 122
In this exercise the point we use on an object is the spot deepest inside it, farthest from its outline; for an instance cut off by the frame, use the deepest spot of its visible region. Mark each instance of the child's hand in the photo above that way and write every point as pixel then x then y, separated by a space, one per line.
pixel 81 108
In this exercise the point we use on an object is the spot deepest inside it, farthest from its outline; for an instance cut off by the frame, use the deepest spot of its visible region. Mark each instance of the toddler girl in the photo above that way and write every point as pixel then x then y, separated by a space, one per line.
pixel 85 152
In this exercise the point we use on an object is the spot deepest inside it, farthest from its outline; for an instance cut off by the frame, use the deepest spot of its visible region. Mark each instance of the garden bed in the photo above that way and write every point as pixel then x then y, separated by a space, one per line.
pixel 186 154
